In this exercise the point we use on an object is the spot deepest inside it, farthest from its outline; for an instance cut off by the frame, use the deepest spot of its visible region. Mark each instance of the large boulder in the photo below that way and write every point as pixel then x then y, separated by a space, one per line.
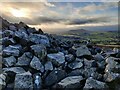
pixel 82 51
pixel 25 59
pixel 72 82
pixel 23 81
pixel 39 50
pixel 94 84
pixel 36 64
pixel 56 58
pixel 9 61
pixel 39 39
pixel 12 50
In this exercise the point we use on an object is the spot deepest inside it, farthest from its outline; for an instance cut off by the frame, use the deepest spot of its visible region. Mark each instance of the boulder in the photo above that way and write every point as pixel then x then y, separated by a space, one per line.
pixel 8 41
pixel 69 58
pixel 39 39
pixel 48 66
pixel 25 59
pixel 99 57
pixel 56 58
pixel 87 63
pixel 8 33
pixel 3 80
pixel 9 61
pixel 12 50
pixel 83 50
pixel 36 64
pixel 72 82
pixel 39 50
pixel 12 28
pixel 54 77
pixel 94 84
pixel 23 81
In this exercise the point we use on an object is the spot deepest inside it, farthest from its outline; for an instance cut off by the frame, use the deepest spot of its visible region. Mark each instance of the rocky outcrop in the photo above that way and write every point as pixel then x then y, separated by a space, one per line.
pixel 34 60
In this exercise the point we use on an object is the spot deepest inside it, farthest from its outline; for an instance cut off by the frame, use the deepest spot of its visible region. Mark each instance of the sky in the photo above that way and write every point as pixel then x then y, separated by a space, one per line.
pixel 63 16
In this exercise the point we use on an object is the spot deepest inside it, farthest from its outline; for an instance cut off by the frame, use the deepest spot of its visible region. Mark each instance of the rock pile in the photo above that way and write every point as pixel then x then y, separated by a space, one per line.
pixel 32 59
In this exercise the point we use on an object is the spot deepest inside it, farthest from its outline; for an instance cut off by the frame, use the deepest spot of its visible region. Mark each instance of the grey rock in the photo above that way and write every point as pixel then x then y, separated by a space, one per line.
pixel 94 84
pixel 36 64
pixel 99 57
pixel 12 28
pixel 83 50
pixel 15 70
pixel 12 50
pixel 39 51
pixel 69 58
pixel 3 79
pixel 8 33
pixel 71 82
pixel 39 39
pixel 87 63
pixel 23 81
pixel 54 77
pixel 25 59
pixel 48 66
pixel 56 58
pixel 75 65
pixel 9 61
pixel 8 41
pixel 76 72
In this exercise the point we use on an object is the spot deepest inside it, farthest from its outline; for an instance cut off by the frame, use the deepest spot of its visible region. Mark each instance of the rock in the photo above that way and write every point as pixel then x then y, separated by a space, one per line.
pixel 39 39
pixel 99 57
pixel 12 28
pixel 69 58
pixel 39 50
pixel 31 30
pixel 118 55
pixel 25 59
pixel 54 77
pixel 8 41
pixel 36 64
pixel 23 81
pixel 48 66
pixel 8 33
pixel 76 72
pixel 83 50
pixel 72 82
pixel 12 50
pixel 3 80
pixel 87 63
pixel 9 61
pixel 94 84
pixel 56 58
pixel 75 65
pixel 98 49
pixel 15 70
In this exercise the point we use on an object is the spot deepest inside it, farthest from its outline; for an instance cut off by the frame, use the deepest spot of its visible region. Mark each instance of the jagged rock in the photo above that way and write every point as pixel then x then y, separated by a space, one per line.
pixel 98 49
pixel 76 72
pixel 3 80
pixel 8 33
pixel 8 41
pixel 48 66
pixel 15 70
pixel 56 58
pixel 23 81
pixel 75 65
pixel 94 84
pixel 72 82
pixel 54 77
pixel 69 58
pixel 87 63
pixel 36 64
pixel 39 51
pixel 12 50
pixel 39 39
pixel 83 50
pixel 9 61
pixel 12 28
pixel 25 59
pixel 118 55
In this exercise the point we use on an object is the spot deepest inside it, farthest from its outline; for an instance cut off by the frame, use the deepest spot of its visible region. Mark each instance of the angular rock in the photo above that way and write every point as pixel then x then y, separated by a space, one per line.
pixel 69 58
pixel 36 64
pixel 39 50
pixel 54 77
pixel 72 82
pixel 9 61
pixel 83 50
pixel 94 84
pixel 8 41
pixel 48 66
pixel 12 50
pixel 25 59
pixel 56 58
pixel 75 65
pixel 15 70
pixel 39 39
pixel 23 81
pixel 87 63
pixel 3 80
pixel 76 72
pixel 12 28
pixel 99 57
pixel 8 33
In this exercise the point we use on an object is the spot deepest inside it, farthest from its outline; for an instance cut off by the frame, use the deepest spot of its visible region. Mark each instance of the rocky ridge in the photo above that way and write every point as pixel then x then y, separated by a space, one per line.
pixel 32 59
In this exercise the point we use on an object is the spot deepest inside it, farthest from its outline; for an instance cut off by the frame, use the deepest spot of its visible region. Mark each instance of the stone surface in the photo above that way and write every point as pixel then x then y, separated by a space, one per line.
pixel 83 50
pixel 39 51
pixel 23 81
pixel 48 66
pixel 70 82
pixel 57 58
pixel 94 84
pixel 9 61
pixel 69 58
pixel 36 64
